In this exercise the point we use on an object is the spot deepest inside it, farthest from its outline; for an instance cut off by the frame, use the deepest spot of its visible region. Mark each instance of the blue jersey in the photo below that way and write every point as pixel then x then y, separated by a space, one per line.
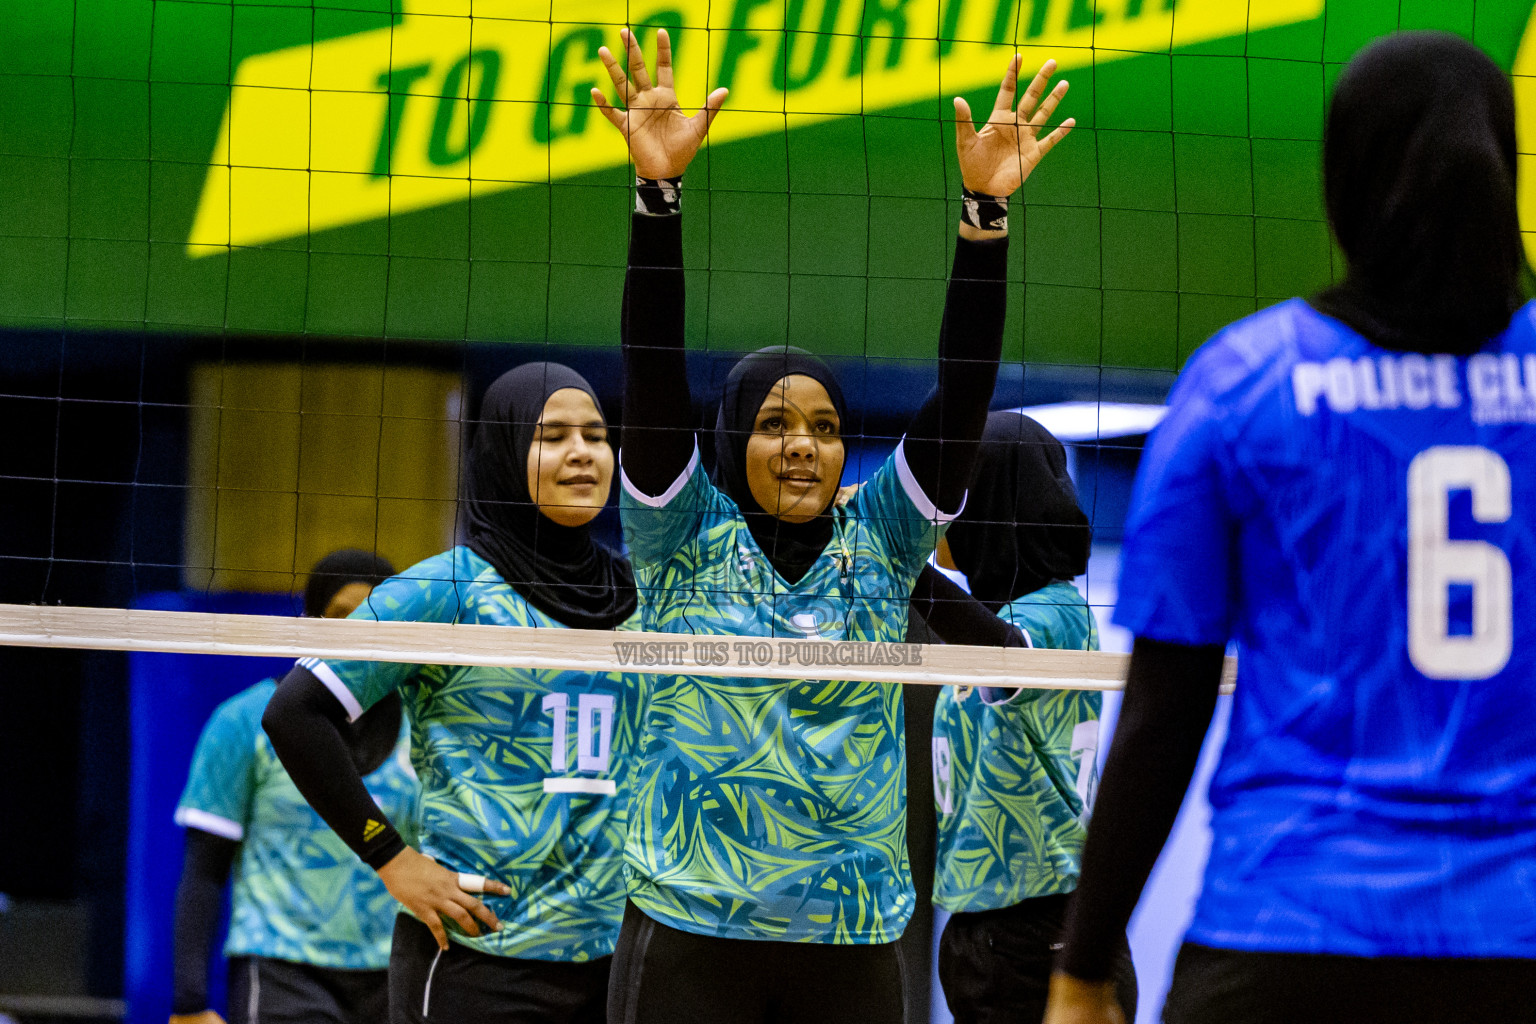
pixel 774 808
pixel 523 771
pixel 1363 524
pixel 299 893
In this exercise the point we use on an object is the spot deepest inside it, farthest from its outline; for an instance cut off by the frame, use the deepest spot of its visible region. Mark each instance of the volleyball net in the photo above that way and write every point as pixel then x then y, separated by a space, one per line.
pixel 582 650
pixel 260 260
pixel 263 258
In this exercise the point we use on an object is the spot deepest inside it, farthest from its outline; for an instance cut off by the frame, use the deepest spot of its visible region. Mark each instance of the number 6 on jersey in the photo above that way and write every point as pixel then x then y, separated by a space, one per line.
pixel 1436 562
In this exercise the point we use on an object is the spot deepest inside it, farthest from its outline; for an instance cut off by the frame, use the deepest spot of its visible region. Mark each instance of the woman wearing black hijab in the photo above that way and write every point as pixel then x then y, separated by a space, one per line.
pixel 767 837
pixel 1373 828
pixel 1014 769
pixel 1021 533
pixel 519 802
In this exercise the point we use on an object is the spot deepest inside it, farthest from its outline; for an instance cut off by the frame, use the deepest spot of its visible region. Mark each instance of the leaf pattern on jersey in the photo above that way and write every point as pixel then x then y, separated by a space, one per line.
pixel 766 808
pixel 299 893
pixel 483 744
pixel 1016 820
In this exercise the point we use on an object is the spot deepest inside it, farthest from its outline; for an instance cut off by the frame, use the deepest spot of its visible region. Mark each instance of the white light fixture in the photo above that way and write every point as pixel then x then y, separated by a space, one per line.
pixel 1095 421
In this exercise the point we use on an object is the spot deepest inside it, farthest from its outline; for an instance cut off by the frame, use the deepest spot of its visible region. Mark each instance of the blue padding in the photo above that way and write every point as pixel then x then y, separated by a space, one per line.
pixel 170 698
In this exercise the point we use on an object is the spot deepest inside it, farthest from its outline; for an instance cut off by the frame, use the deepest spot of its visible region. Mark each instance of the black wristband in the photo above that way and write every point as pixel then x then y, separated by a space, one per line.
pixel 658 197
pixel 983 212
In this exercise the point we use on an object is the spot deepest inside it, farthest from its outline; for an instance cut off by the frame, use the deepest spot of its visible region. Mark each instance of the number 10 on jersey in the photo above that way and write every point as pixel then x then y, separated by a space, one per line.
pixel 594 738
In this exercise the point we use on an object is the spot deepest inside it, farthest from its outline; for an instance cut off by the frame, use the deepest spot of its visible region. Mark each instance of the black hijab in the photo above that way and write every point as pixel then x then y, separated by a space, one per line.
pixel 1419 170
pixel 792 548
pixel 336 570
pixel 558 569
pixel 1021 528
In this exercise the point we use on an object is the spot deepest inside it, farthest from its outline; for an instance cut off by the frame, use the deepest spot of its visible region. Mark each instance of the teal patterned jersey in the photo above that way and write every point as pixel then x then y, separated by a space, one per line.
pixel 523 771
pixel 770 808
pixel 1014 771
pixel 299 893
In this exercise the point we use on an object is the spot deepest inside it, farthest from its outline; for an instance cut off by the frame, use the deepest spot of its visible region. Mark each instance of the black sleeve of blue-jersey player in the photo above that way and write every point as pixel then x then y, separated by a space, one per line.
pixel 1170 696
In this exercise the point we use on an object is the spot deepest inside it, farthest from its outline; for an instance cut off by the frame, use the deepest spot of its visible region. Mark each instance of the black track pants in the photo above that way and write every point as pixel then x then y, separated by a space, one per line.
pixel 995 965
pixel 662 975
pixel 267 991
pixel 1222 986
pixel 460 985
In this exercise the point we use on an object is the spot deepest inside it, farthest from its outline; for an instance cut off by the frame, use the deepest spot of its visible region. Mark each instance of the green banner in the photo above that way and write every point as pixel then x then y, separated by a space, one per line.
pixel 434 169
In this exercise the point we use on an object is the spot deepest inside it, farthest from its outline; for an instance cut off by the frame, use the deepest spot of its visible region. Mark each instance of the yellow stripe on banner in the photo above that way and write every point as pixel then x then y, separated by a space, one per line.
pixel 581 650
pixel 1523 76
pixel 474 96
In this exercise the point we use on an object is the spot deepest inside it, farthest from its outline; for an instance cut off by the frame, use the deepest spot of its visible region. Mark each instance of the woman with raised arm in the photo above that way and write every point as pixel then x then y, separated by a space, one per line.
pixel 515 897
pixel 768 869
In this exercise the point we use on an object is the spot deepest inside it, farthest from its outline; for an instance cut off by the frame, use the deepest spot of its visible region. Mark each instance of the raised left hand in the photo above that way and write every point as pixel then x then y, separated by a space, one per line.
pixel 662 139
pixel 997 160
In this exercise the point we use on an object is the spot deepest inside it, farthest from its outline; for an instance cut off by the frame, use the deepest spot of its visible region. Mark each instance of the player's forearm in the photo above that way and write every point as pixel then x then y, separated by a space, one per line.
pixel 199 898
pixel 1170 695
pixel 957 617
pixel 941 443
pixel 304 720
pixel 658 409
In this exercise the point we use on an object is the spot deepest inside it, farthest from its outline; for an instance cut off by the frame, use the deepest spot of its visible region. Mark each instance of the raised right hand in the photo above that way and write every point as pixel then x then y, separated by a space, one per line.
pixel 999 158
pixel 662 139
pixel 431 892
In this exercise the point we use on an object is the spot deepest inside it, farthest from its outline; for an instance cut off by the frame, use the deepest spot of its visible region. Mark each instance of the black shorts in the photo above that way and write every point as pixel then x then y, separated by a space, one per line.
pixel 995 965
pixel 662 975
pixel 1223 986
pixel 267 991
pixel 465 986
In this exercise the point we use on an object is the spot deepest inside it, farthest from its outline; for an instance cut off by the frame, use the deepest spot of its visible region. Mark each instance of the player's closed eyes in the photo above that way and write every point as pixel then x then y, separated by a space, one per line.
pixel 559 436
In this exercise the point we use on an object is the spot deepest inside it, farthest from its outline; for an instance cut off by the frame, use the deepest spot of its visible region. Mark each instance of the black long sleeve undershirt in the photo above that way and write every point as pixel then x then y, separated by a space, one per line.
pixel 305 722
pixel 658 408
pixel 942 440
pixel 199 896
pixel 957 617
pixel 1170 695
pixel 944 436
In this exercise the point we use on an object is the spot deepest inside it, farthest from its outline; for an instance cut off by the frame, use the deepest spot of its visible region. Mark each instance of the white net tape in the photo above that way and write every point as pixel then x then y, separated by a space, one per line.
pixel 587 650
